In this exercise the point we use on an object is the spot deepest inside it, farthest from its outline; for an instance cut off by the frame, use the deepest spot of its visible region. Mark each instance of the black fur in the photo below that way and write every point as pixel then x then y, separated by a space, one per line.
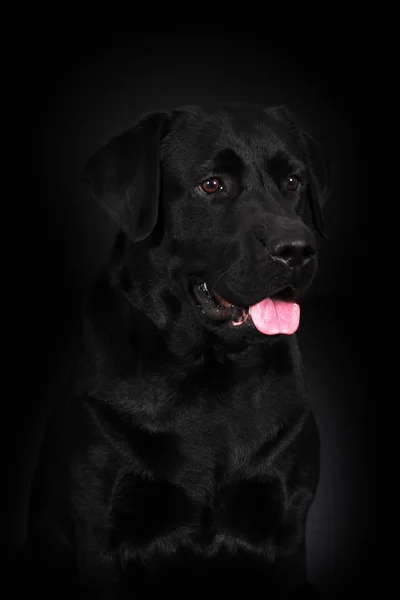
pixel 186 456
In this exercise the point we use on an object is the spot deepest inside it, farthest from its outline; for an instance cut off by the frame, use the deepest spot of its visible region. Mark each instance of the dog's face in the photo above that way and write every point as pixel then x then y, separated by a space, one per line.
pixel 232 197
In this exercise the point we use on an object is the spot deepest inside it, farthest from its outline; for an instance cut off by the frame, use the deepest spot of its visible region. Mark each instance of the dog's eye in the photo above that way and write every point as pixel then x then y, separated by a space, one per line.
pixel 292 183
pixel 212 185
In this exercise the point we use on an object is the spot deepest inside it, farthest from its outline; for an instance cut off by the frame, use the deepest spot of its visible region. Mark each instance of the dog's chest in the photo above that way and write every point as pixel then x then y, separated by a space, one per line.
pixel 216 434
pixel 198 478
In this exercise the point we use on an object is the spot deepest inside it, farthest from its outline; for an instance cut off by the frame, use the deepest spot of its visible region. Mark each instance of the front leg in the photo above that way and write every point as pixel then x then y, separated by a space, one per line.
pixel 266 509
pixel 97 560
pixel 97 565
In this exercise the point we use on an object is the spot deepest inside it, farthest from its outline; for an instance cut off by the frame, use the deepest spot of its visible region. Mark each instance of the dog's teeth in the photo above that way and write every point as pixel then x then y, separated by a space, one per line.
pixel 204 285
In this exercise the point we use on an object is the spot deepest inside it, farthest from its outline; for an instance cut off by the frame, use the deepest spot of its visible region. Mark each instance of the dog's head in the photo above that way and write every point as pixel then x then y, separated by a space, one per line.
pixel 228 201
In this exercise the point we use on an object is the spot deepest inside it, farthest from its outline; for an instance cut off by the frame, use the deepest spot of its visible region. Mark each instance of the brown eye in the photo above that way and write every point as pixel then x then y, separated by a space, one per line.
pixel 212 185
pixel 292 183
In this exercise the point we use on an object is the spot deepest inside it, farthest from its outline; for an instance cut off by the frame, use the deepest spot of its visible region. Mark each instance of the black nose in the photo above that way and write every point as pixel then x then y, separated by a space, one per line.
pixel 294 252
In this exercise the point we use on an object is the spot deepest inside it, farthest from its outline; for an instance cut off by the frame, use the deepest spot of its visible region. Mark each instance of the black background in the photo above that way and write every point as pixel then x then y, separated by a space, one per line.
pixel 73 86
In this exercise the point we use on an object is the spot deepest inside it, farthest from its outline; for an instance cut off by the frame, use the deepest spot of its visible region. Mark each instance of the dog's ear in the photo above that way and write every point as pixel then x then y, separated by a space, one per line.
pixel 319 174
pixel 124 176
pixel 319 180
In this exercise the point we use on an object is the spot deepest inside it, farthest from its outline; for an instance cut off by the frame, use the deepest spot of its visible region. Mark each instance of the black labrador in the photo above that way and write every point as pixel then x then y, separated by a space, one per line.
pixel 186 456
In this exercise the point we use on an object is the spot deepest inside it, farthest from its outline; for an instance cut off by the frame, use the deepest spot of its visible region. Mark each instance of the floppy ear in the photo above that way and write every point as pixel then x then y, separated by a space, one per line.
pixel 124 176
pixel 319 180
pixel 319 175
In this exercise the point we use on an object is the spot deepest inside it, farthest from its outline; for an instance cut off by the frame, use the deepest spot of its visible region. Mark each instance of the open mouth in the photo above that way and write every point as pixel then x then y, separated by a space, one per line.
pixel 275 314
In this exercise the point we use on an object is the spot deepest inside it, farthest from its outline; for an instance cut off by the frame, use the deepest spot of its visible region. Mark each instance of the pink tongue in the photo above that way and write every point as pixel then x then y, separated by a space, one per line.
pixel 275 316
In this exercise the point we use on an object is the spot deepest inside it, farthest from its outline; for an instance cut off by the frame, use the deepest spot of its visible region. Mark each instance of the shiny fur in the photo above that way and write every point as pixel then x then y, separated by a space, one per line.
pixel 185 457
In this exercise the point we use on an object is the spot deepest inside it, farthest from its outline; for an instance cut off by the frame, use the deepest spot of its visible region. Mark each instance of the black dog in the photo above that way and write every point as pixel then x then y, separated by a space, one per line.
pixel 186 457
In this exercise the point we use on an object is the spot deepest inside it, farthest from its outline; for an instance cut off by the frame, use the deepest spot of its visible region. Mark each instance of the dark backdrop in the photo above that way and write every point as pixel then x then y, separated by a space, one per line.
pixel 72 87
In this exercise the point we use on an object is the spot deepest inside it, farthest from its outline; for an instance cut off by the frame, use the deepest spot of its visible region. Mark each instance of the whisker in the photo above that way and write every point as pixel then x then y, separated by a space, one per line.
pixel 221 275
